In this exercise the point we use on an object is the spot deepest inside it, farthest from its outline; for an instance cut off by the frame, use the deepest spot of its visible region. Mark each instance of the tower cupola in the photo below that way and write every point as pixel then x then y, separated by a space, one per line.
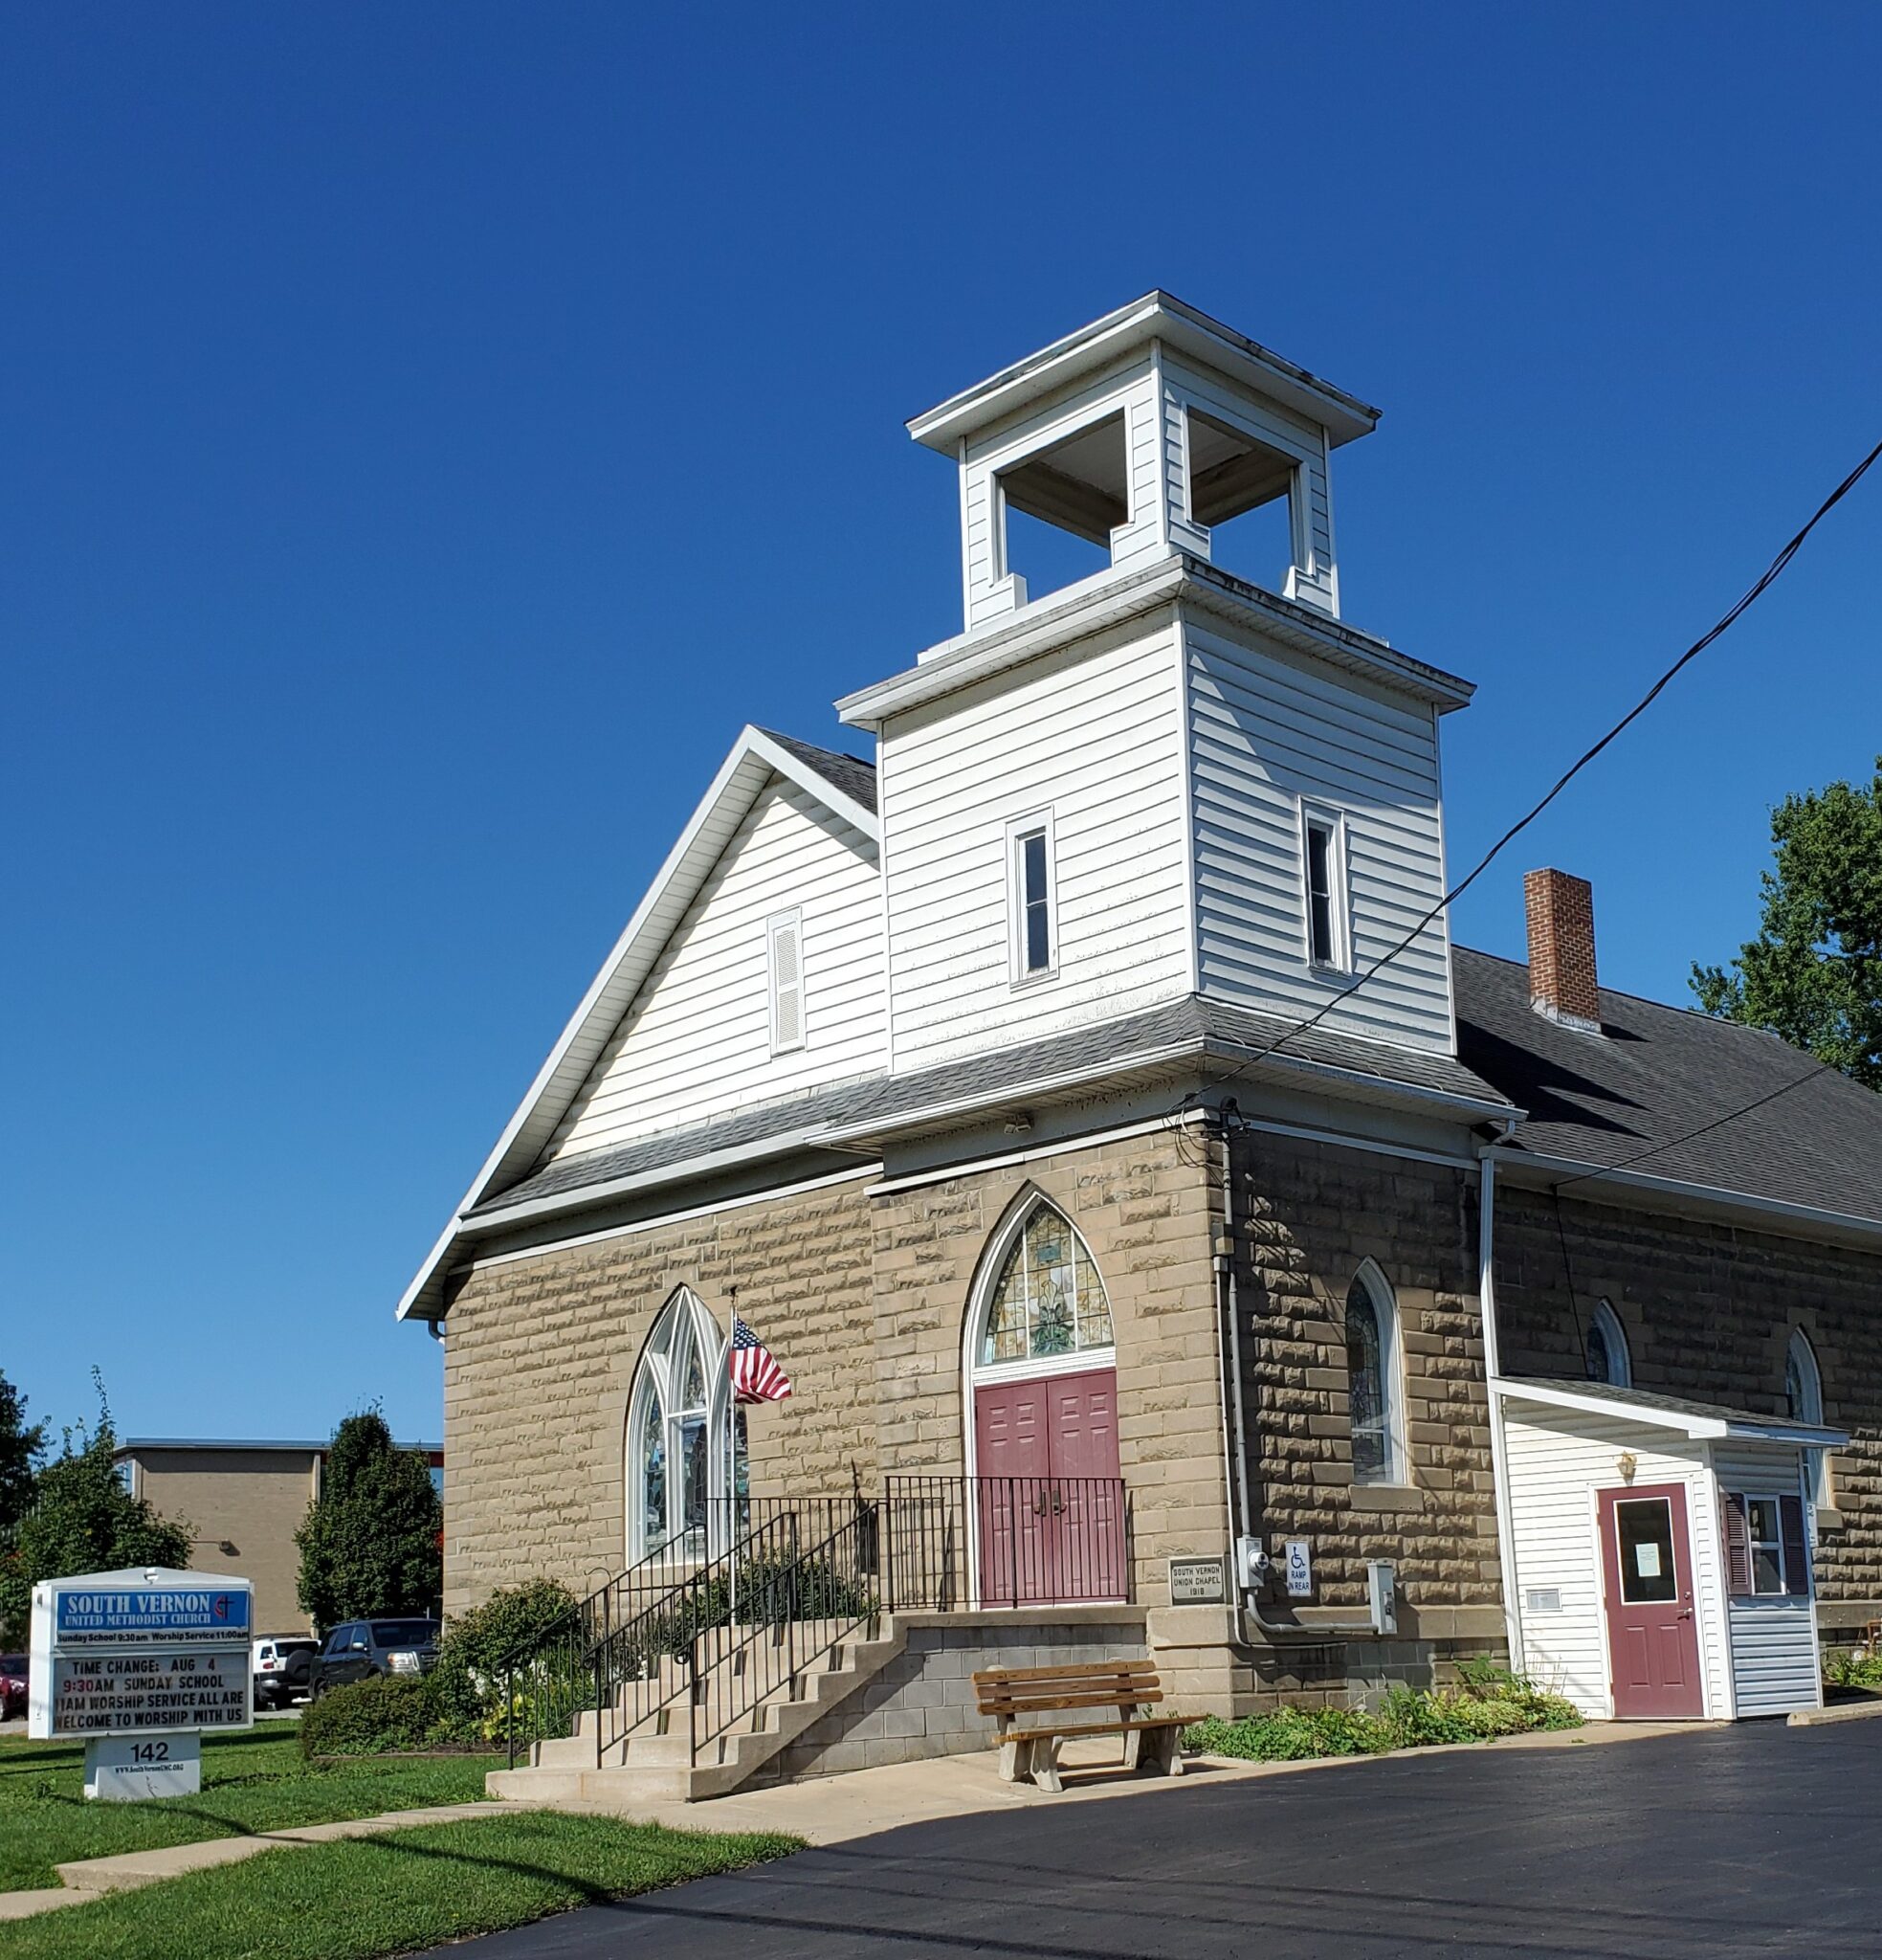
pixel 1142 434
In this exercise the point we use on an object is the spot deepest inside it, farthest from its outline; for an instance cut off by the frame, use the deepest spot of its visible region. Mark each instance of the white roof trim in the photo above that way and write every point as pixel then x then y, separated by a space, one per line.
pixel 1158 316
pixel 1745 1428
pixel 754 759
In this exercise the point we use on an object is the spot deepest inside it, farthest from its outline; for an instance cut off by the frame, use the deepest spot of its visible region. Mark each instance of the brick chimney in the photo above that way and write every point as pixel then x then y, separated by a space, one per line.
pixel 1562 974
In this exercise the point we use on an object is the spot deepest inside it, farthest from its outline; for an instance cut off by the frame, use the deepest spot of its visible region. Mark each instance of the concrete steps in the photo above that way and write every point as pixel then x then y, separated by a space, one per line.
pixel 655 1763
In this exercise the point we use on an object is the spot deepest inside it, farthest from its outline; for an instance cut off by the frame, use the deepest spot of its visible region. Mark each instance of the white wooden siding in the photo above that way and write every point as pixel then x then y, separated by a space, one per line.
pixel 1265 734
pixel 697 1041
pixel 1095 736
pixel 1558 1460
pixel 1774 1639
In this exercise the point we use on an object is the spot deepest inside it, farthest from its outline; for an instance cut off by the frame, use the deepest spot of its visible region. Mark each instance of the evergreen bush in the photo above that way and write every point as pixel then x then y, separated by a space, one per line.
pixel 368 1718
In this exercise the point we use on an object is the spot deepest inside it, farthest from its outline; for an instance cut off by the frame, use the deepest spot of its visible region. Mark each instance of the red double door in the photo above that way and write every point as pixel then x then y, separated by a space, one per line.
pixel 1653 1632
pixel 1047 1496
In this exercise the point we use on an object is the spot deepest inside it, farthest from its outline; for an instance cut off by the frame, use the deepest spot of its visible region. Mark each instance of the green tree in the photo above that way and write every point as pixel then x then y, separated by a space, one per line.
pixel 370 1544
pixel 84 1520
pixel 1814 972
pixel 21 1446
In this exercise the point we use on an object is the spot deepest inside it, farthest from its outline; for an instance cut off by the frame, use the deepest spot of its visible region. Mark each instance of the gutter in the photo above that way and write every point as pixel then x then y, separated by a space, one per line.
pixel 1499 1459
pixel 1774 1212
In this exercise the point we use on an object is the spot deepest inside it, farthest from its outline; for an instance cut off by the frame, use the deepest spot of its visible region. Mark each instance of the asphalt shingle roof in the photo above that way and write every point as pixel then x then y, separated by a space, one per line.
pixel 1188 1025
pixel 1670 1405
pixel 1649 1089
pixel 849 773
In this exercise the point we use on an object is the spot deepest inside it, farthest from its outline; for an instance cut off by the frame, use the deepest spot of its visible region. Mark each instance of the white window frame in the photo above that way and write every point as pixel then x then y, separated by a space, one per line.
pixel 1395 1473
pixel 792 921
pixel 1619 1353
pixel 1754 1543
pixel 1318 816
pixel 1038 823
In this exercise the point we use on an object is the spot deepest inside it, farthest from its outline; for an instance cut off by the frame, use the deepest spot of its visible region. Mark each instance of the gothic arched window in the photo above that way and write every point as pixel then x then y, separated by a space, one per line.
pixel 1606 1349
pixel 685 1441
pixel 1804 1400
pixel 1372 1384
pixel 1049 1298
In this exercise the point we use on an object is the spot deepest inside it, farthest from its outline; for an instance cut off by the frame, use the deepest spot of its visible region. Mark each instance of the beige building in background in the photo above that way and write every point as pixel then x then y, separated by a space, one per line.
pixel 243 1502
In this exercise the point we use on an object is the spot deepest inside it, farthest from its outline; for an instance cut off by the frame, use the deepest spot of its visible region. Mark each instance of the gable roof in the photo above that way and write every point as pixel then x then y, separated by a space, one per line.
pixel 850 775
pixel 1648 1094
pixel 756 758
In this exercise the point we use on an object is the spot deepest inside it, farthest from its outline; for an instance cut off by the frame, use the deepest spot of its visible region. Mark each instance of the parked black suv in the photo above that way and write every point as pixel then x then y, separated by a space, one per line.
pixel 360 1647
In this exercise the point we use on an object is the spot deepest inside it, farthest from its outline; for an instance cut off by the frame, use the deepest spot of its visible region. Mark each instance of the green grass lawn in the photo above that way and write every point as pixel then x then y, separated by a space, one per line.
pixel 375 1895
pixel 252 1782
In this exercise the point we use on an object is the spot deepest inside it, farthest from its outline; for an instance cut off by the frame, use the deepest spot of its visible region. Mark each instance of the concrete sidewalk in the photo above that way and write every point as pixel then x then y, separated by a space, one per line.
pixel 835 1810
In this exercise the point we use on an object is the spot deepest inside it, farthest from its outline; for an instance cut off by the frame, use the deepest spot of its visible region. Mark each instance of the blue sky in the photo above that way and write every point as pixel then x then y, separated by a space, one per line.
pixel 432 432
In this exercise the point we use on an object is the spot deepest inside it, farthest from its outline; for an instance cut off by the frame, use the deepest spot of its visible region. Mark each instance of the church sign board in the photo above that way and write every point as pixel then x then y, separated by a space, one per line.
pixel 151 1655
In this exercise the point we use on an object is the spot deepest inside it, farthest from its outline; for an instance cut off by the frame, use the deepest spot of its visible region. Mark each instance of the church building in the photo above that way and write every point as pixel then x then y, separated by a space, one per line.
pixel 1154 1268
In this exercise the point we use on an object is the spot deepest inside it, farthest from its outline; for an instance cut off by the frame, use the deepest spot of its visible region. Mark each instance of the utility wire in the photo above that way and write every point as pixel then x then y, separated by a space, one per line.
pixel 1771 574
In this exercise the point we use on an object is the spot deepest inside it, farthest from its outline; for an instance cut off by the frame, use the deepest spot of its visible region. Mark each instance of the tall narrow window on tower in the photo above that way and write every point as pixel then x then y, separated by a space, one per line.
pixel 1323 873
pixel 1030 903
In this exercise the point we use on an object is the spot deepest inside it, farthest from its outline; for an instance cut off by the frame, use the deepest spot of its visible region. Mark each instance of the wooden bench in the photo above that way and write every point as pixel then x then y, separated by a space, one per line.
pixel 1151 1734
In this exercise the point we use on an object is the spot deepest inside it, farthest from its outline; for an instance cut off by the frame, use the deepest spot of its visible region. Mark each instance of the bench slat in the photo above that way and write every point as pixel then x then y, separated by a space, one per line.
pixel 1067 1670
pixel 1039 1705
pixel 1077 1729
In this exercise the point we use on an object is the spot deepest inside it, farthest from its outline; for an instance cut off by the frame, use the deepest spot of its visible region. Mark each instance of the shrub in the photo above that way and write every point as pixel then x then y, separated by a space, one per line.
pixel 1853 1669
pixel 367 1718
pixel 1488 1702
pixel 506 1632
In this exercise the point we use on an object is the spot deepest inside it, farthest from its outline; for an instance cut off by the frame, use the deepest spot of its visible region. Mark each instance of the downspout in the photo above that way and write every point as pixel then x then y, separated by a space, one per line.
pixel 1493 1369
pixel 1272 1630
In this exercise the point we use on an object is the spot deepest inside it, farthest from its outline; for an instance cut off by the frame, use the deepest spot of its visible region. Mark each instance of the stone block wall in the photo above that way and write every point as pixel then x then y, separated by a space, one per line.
pixel 922 1703
pixel 1146 1207
pixel 540 1358
pixel 1309 1216
pixel 1708 1310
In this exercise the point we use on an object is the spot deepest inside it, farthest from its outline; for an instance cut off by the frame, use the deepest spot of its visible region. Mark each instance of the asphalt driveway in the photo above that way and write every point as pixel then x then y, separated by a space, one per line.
pixel 1759 1839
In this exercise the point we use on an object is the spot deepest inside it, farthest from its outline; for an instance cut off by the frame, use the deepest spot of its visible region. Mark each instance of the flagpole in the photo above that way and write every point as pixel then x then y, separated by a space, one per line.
pixel 732 1468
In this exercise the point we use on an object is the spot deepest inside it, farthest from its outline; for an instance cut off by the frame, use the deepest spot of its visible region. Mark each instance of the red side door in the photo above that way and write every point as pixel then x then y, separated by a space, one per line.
pixel 1652 1627
pixel 1012 1456
pixel 1047 1533
pixel 1085 1500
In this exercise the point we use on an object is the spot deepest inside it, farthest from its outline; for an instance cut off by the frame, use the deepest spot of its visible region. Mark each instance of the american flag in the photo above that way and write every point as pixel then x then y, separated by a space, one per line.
pixel 756 1377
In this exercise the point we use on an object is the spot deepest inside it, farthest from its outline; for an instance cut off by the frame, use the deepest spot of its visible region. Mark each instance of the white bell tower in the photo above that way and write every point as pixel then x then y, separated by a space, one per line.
pixel 1138 433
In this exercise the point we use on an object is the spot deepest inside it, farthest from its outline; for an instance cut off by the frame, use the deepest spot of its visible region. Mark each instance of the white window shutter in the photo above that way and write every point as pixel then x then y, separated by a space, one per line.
pixel 786 984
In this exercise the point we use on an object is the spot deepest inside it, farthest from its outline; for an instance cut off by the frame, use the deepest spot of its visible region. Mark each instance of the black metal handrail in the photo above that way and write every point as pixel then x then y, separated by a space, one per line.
pixel 785 1618
pixel 797 1577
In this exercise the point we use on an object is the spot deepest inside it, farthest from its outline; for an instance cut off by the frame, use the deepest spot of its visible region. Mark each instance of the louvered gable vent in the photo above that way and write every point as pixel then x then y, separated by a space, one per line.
pixel 787 966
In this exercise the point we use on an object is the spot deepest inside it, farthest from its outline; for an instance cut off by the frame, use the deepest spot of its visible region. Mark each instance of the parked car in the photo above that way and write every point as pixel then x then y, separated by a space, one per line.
pixel 12 1686
pixel 361 1647
pixel 283 1668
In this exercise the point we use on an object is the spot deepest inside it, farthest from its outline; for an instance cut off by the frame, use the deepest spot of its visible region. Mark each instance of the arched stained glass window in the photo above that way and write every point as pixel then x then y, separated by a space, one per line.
pixel 1372 1392
pixel 1605 1349
pixel 1804 1400
pixel 683 1482
pixel 1049 1298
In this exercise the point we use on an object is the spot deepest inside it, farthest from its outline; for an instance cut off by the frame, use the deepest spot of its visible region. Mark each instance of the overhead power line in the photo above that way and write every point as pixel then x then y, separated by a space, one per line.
pixel 1769 577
